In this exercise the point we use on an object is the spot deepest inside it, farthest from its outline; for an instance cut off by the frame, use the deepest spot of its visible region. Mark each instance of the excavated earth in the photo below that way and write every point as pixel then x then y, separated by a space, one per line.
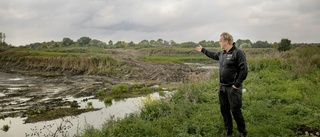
pixel 21 93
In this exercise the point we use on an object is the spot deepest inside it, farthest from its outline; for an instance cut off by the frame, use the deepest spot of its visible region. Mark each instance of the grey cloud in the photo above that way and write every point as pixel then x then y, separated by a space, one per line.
pixel 181 20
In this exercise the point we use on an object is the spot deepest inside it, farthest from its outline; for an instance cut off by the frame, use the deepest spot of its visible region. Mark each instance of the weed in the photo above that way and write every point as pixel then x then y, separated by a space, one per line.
pixel 101 93
pixel 89 105
pixel 108 100
pixel 162 93
pixel 5 128
pixel 119 89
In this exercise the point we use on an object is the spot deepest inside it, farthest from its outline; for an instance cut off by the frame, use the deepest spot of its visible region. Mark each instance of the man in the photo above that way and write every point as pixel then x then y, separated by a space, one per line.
pixel 232 72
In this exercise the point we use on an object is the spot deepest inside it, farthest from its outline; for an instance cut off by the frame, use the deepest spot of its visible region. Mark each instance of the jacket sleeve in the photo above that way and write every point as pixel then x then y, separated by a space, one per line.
pixel 243 69
pixel 213 55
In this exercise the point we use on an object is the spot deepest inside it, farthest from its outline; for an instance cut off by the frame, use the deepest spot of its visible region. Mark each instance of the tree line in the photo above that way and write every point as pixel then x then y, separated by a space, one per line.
pixel 84 41
pixel 283 45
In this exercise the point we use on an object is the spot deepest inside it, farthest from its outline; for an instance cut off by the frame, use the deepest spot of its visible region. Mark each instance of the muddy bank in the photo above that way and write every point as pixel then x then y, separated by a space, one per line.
pixel 23 95
pixel 20 94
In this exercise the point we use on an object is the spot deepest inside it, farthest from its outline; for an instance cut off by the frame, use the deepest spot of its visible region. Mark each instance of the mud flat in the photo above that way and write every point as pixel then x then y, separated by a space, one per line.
pixel 21 95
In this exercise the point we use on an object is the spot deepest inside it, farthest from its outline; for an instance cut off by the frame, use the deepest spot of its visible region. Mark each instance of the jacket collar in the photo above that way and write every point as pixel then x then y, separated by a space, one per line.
pixel 231 50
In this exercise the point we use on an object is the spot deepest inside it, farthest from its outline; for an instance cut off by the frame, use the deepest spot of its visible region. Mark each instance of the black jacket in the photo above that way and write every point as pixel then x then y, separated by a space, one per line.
pixel 233 65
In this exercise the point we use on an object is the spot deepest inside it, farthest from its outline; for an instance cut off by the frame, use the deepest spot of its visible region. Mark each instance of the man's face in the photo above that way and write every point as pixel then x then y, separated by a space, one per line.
pixel 222 43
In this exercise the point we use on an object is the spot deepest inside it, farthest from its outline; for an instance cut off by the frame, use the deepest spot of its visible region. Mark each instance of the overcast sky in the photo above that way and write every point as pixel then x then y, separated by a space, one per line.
pixel 30 21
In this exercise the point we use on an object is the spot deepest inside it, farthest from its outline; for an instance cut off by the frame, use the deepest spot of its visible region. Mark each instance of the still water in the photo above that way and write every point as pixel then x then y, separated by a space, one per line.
pixel 75 124
pixel 71 126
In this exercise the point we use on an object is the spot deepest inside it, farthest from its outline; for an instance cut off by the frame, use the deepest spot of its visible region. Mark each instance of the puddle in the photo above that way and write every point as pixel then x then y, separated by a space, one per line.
pixel 24 99
pixel 54 90
pixel 11 89
pixel 74 124
pixel 15 79
pixel 19 93
pixel 2 95
pixel 208 67
pixel 201 66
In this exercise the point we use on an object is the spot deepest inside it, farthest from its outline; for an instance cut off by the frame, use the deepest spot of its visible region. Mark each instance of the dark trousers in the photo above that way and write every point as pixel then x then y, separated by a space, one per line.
pixel 231 103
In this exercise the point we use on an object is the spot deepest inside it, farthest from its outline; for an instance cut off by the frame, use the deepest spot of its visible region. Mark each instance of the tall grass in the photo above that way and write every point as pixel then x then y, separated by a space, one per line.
pixel 74 63
pixel 281 99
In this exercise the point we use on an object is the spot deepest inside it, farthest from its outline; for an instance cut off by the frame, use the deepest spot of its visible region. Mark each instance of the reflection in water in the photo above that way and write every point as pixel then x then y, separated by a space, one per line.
pixel 74 124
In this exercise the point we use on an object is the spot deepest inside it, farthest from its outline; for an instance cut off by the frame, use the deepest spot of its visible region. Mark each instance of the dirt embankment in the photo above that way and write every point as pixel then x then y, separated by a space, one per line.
pixel 119 64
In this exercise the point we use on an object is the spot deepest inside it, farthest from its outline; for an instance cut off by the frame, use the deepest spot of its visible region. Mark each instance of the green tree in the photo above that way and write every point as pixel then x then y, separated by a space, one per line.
pixel 203 43
pixel 209 43
pixel 97 43
pixel 0 37
pixel 153 42
pixel 188 44
pixel 172 43
pixel 275 44
pixel 2 40
pixel 120 44
pixel 110 43
pixel 215 44
pixel 84 41
pixel 261 44
pixel 284 45
pixel 131 44
pixel 159 42
pixel 67 42
pixel 166 43
pixel 144 44
pixel 244 43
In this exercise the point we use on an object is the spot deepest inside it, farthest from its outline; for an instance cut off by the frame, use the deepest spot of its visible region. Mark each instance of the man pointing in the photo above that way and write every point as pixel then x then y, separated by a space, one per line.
pixel 232 72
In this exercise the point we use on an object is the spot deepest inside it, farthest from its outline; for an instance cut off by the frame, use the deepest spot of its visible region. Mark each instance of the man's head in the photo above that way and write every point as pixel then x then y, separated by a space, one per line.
pixel 225 41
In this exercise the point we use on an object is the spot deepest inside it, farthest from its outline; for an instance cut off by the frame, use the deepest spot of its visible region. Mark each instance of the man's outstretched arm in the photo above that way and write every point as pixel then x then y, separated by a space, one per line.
pixel 213 55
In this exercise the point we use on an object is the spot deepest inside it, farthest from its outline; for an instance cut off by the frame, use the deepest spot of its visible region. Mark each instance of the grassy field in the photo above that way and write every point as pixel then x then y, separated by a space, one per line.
pixel 281 99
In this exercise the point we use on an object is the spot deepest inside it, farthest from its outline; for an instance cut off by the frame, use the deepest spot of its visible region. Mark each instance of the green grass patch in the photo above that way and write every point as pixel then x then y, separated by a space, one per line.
pixel 279 101
pixel 174 59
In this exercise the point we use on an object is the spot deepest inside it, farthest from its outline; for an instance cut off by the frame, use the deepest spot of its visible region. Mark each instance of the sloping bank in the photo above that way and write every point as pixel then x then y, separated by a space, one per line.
pixel 281 99
pixel 111 65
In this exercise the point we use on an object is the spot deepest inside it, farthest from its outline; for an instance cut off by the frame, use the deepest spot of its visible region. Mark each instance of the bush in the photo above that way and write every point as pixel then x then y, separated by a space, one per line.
pixel 108 100
pixel 136 87
pixel 152 108
pixel 101 93
pixel 120 89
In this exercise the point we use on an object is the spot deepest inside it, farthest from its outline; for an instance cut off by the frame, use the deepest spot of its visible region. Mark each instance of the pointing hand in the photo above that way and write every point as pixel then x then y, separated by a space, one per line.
pixel 199 48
